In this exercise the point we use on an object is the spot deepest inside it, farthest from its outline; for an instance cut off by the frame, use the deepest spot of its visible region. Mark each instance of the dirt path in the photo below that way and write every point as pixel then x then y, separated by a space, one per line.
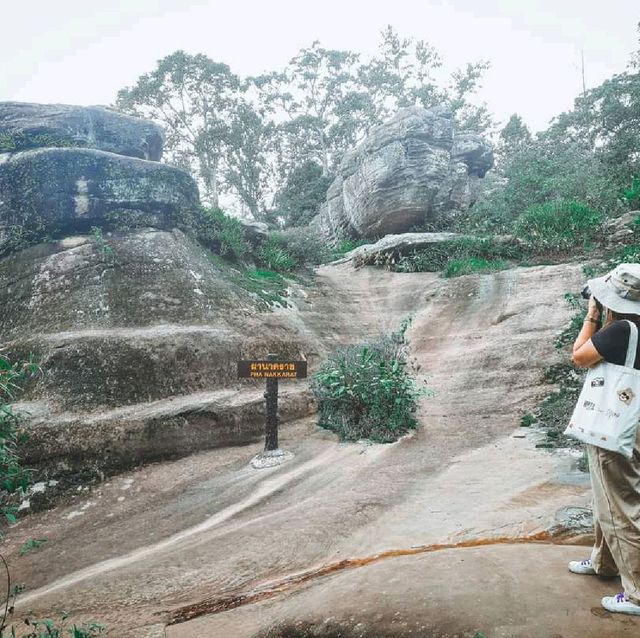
pixel 173 540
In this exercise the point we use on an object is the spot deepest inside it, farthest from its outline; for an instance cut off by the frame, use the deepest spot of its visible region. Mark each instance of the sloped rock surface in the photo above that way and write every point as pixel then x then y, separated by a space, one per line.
pixel 412 169
pixel 149 319
pixel 24 125
pixel 128 316
pixel 138 337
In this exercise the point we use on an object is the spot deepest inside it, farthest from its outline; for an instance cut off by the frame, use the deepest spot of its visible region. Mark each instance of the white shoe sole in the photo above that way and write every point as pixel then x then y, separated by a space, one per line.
pixel 577 568
pixel 626 607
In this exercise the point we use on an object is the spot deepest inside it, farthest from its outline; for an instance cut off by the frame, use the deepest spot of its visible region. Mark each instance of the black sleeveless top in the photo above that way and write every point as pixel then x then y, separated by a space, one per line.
pixel 612 341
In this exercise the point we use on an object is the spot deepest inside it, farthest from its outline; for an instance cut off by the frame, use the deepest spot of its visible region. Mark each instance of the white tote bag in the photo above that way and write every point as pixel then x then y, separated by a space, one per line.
pixel 608 409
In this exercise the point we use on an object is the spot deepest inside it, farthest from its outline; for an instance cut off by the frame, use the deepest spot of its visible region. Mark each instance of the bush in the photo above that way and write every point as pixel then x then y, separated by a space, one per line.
pixel 222 233
pixel 50 628
pixel 365 391
pixel 305 190
pixel 304 245
pixel 457 267
pixel 632 194
pixel 461 253
pixel 546 170
pixel 274 255
pixel 558 225
pixel 14 479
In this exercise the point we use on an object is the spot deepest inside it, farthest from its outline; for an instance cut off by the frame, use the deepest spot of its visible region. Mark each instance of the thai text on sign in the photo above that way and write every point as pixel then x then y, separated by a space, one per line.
pixel 262 369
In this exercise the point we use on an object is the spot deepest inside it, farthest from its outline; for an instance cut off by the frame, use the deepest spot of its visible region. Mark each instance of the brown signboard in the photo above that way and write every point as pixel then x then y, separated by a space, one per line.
pixel 263 369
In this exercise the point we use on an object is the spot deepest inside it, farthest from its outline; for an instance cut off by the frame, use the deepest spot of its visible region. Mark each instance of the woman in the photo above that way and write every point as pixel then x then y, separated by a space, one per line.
pixel 614 478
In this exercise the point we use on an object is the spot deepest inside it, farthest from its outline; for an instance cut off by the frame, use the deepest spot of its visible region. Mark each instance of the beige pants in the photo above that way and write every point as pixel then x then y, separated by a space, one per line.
pixel 616 511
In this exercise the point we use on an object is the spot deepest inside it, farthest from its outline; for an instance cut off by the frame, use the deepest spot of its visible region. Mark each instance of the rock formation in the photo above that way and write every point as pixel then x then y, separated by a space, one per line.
pixel 412 169
pixel 136 327
pixel 24 126
pixel 61 191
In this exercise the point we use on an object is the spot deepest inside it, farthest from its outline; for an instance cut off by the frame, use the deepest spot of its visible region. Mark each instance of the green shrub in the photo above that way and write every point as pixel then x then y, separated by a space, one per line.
pixel 551 168
pixel 627 254
pixel 365 391
pixel 303 245
pixel 222 233
pixel 300 198
pixel 50 628
pixel 274 255
pixel 558 225
pixel 467 265
pixel 439 255
pixel 632 194
pixel 14 479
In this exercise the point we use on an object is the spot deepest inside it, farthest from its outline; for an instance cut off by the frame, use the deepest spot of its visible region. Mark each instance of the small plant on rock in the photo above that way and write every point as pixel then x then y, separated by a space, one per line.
pixel 222 233
pixel 274 255
pixel 366 392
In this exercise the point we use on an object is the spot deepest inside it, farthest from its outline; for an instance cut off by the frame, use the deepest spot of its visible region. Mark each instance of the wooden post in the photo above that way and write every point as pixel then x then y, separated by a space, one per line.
pixel 271 396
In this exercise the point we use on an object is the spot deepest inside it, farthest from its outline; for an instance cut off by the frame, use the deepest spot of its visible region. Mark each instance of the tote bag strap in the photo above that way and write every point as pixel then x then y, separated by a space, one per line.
pixel 633 344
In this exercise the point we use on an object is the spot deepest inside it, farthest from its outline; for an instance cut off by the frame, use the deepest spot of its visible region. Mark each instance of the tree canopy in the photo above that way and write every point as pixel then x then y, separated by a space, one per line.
pixel 254 137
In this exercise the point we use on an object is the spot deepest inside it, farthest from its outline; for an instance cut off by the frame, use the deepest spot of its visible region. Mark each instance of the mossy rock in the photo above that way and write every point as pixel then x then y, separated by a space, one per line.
pixel 56 192
pixel 26 126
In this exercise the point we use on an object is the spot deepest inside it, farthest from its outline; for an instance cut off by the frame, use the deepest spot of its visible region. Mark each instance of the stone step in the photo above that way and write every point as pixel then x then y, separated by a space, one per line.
pixel 111 440
pixel 86 369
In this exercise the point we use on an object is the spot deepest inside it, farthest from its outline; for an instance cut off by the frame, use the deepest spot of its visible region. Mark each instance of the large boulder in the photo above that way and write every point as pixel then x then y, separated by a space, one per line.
pixel 62 191
pixel 24 126
pixel 137 327
pixel 412 169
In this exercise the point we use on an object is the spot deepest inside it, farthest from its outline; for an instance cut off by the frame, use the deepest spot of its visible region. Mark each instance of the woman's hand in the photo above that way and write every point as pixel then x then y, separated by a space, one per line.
pixel 593 312
pixel 584 352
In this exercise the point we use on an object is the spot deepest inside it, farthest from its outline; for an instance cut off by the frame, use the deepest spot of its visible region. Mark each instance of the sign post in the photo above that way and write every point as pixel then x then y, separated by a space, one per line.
pixel 271 399
pixel 271 369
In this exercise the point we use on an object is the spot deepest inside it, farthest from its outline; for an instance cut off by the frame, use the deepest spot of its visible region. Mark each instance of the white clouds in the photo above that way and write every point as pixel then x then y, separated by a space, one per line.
pixel 83 52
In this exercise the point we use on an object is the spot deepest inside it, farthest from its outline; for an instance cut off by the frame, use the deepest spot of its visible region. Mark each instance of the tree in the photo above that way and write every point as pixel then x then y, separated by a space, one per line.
pixel 300 198
pixel 607 118
pixel 513 137
pixel 541 172
pixel 248 158
pixel 318 105
pixel 194 98
pixel 464 83
pixel 403 74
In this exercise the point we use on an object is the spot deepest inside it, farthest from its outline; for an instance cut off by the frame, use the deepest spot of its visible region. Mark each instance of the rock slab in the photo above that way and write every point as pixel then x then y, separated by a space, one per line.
pixel 63 191
pixel 24 125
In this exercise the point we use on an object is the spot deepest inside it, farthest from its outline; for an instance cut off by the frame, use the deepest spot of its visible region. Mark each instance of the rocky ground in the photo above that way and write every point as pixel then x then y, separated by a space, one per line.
pixel 457 529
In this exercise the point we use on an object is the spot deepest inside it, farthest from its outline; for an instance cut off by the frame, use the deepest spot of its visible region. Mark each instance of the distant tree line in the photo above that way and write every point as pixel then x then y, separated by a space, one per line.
pixel 274 141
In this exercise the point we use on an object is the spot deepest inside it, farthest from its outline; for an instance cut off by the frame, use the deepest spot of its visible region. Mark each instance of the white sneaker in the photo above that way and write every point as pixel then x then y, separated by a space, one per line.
pixel 620 604
pixel 582 567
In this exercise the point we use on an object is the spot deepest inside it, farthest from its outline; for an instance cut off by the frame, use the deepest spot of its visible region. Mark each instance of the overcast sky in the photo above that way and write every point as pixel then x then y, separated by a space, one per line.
pixel 83 51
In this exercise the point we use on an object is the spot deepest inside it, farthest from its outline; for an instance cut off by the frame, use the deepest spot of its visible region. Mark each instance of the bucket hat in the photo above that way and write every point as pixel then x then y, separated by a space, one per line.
pixel 619 290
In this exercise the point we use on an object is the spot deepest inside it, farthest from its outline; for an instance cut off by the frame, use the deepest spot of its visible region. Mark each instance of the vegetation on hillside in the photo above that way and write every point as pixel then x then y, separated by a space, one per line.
pixel 274 142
